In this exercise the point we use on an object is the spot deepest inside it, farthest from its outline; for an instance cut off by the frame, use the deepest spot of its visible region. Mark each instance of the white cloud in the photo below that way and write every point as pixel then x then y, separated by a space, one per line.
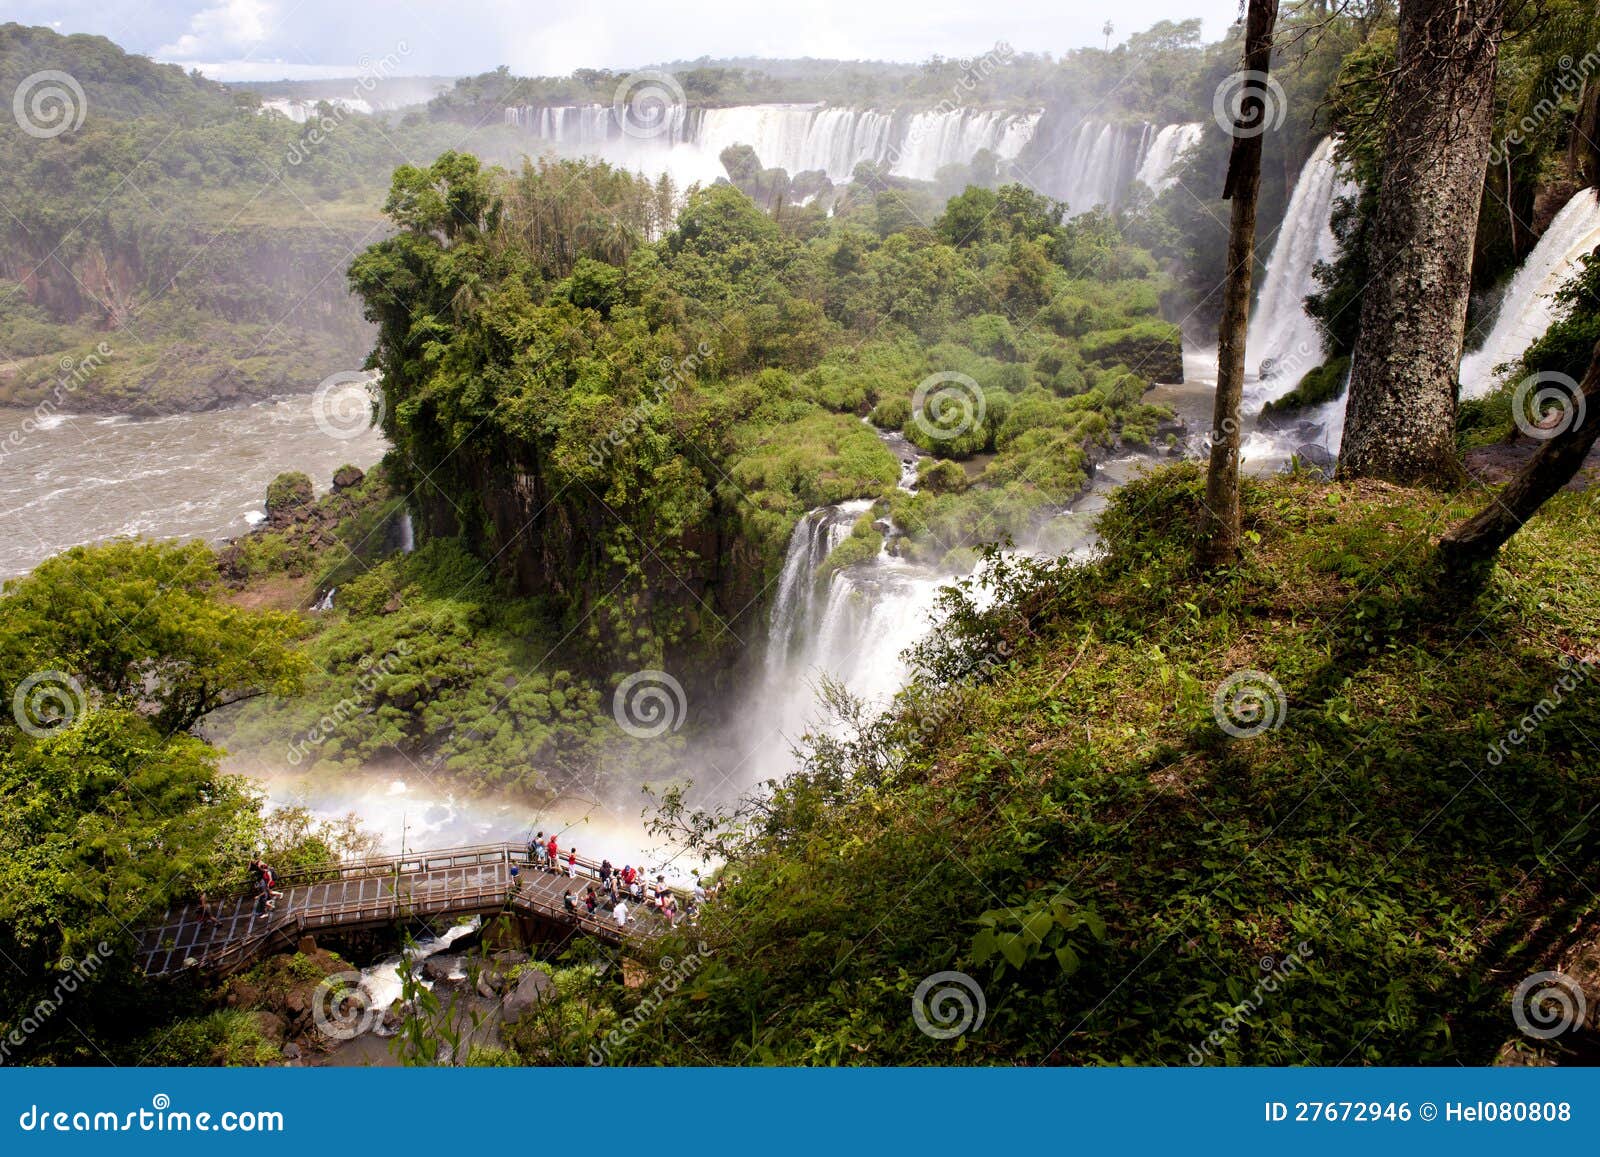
pixel 232 28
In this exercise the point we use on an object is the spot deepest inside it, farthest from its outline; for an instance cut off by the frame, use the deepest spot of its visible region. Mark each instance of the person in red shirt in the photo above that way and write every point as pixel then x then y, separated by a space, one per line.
pixel 572 863
pixel 553 850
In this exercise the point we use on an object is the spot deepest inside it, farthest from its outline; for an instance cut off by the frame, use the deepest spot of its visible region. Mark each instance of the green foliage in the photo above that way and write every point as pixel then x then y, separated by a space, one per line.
pixel 1054 809
pixel 1320 385
pixel 141 624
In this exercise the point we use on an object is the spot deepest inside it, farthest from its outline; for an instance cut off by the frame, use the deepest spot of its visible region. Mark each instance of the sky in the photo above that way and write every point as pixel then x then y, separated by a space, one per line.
pixel 257 40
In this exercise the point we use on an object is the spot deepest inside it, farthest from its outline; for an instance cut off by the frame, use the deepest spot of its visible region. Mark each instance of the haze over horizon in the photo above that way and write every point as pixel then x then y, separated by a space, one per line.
pixel 265 40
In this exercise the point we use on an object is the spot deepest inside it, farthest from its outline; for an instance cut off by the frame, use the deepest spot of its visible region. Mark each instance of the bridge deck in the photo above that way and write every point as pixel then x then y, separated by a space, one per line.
pixel 456 882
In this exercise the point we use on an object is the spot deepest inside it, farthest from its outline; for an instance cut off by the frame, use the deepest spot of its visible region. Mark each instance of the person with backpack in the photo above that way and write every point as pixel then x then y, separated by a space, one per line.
pixel 536 850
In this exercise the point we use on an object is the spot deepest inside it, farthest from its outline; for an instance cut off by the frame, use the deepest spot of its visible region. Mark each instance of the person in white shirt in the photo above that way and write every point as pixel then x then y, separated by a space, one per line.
pixel 620 912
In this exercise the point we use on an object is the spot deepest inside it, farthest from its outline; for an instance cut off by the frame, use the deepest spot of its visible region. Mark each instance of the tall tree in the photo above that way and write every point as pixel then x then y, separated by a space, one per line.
pixel 1400 421
pixel 1219 542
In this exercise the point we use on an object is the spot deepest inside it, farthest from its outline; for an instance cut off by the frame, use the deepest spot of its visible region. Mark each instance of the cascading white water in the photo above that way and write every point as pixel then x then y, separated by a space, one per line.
pixel 1091 163
pixel 1157 169
pixel 1283 340
pixel 852 627
pixel 1529 307
pixel 795 137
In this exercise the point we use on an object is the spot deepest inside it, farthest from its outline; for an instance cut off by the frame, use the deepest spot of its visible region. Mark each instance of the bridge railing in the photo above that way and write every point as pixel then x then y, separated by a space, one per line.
pixel 417 862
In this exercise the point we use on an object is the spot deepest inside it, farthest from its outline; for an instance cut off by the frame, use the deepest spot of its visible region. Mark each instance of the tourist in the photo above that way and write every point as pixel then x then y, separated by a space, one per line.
pixel 536 850
pixel 637 888
pixel 605 870
pixel 590 900
pixel 620 913
pixel 568 903
pixel 553 851
pixel 691 909
pixel 572 864
pixel 207 916
pixel 699 890
pixel 611 888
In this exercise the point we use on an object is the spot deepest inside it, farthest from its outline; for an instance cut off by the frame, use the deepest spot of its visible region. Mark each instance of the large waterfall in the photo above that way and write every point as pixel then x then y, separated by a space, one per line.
pixel 1089 163
pixel 1283 339
pixel 1528 307
pixel 1157 168
pixel 851 626
pixel 796 137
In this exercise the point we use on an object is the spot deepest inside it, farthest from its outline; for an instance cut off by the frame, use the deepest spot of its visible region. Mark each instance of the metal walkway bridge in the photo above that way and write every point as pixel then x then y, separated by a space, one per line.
pixel 474 881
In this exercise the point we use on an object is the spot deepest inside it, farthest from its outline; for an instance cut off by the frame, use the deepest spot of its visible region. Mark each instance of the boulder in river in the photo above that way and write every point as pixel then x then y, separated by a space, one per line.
pixel 532 986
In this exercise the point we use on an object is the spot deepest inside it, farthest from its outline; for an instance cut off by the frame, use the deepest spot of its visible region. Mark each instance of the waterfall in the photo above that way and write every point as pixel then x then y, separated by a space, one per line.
pixel 408 538
pixel 1283 339
pixel 1528 308
pixel 796 606
pixel 935 139
pixel 795 137
pixel 1157 168
pixel 1090 163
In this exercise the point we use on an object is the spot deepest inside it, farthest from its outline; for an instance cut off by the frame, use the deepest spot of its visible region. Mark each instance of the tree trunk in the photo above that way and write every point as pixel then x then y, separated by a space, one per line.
pixel 1219 539
pixel 1552 466
pixel 1400 421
